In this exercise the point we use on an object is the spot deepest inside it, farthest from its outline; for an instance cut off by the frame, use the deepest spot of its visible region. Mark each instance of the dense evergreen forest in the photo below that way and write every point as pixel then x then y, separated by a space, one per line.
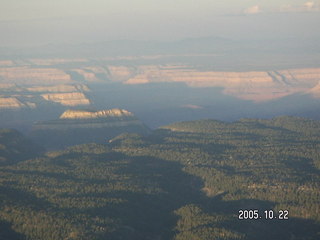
pixel 185 181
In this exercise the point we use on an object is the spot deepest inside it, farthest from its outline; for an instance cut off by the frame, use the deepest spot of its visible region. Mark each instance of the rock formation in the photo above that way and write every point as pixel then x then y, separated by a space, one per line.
pixel 16 97
pixel 256 85
pixel 10 103
pixel 59 88
pixel 83 126
pixel 85 114
pixel 250 85
pixel 67 99
pixel 34 76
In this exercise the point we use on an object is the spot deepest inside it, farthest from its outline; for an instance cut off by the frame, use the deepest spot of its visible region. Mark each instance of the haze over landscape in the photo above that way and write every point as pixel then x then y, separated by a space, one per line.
pixel 159 120
pixel 39 22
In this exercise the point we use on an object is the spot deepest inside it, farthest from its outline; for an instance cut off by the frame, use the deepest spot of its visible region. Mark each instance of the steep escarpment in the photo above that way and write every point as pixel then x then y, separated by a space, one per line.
pixel 59 88
pixel 83 126
pixel 67 99
pixel 254 85
pixel 36 76
pixel 10 103
pixel 85 114
pixel 15 96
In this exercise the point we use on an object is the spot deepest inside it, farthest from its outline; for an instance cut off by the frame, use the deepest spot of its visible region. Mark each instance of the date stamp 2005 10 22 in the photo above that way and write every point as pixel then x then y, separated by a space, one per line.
pixel 254 214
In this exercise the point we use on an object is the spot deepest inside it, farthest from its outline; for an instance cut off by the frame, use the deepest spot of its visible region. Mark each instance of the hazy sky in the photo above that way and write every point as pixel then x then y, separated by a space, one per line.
pixel 34 22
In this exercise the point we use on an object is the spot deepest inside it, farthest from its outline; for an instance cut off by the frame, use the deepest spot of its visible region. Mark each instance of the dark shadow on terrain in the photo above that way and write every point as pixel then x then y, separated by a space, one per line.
pixel 6 232
pixel 294 228
pixel 62 161
pixel 106 156
pixel 303 167
pixel 151 215
pixel 60 139
pixel 21 197
pixel 148 213
pixel 35 174
pixel 155 189
pixel 160 136
pixel 264 229
pixel 220 206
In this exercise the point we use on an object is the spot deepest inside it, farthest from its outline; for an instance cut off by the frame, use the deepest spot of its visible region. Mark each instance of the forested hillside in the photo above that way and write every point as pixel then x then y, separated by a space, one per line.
pixel 186 181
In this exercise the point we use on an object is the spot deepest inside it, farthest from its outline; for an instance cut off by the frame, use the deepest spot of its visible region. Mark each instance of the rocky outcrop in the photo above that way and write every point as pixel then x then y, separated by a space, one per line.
pixel 121 73
pixel 202 79
pixel 15 103
pixel 307 77
pixel 14 96
pixel 55 61
pixel 83 126
pixel 10 103
pixel 91 119
pixel 255 85
pixel 34 76
pixel 250 85
pixel 59 88
pixel 67 99
pixel 84 114
pixel 92 73
pixel 88 76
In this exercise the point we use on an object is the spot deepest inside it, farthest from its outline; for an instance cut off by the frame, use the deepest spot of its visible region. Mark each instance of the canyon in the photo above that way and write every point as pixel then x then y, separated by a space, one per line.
pixel 14 96
pixel 68 86
pixel 158 91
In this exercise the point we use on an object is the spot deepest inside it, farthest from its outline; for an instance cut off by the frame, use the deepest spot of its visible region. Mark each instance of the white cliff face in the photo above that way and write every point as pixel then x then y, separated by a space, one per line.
pixel 84 126
pixel 14 103
pixel 255 85
pixel 37 76
pixel 14 96
pixel 10 103
pixel 82 114
pixel 84 119
pixel 60 86
pixel 67 99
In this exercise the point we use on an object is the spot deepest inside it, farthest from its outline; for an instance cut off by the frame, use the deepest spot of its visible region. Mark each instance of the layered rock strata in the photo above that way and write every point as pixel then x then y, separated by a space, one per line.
pixel 16 97
pixel 250 85
pixel 67 99
pixel 83 126
pixel 82 114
